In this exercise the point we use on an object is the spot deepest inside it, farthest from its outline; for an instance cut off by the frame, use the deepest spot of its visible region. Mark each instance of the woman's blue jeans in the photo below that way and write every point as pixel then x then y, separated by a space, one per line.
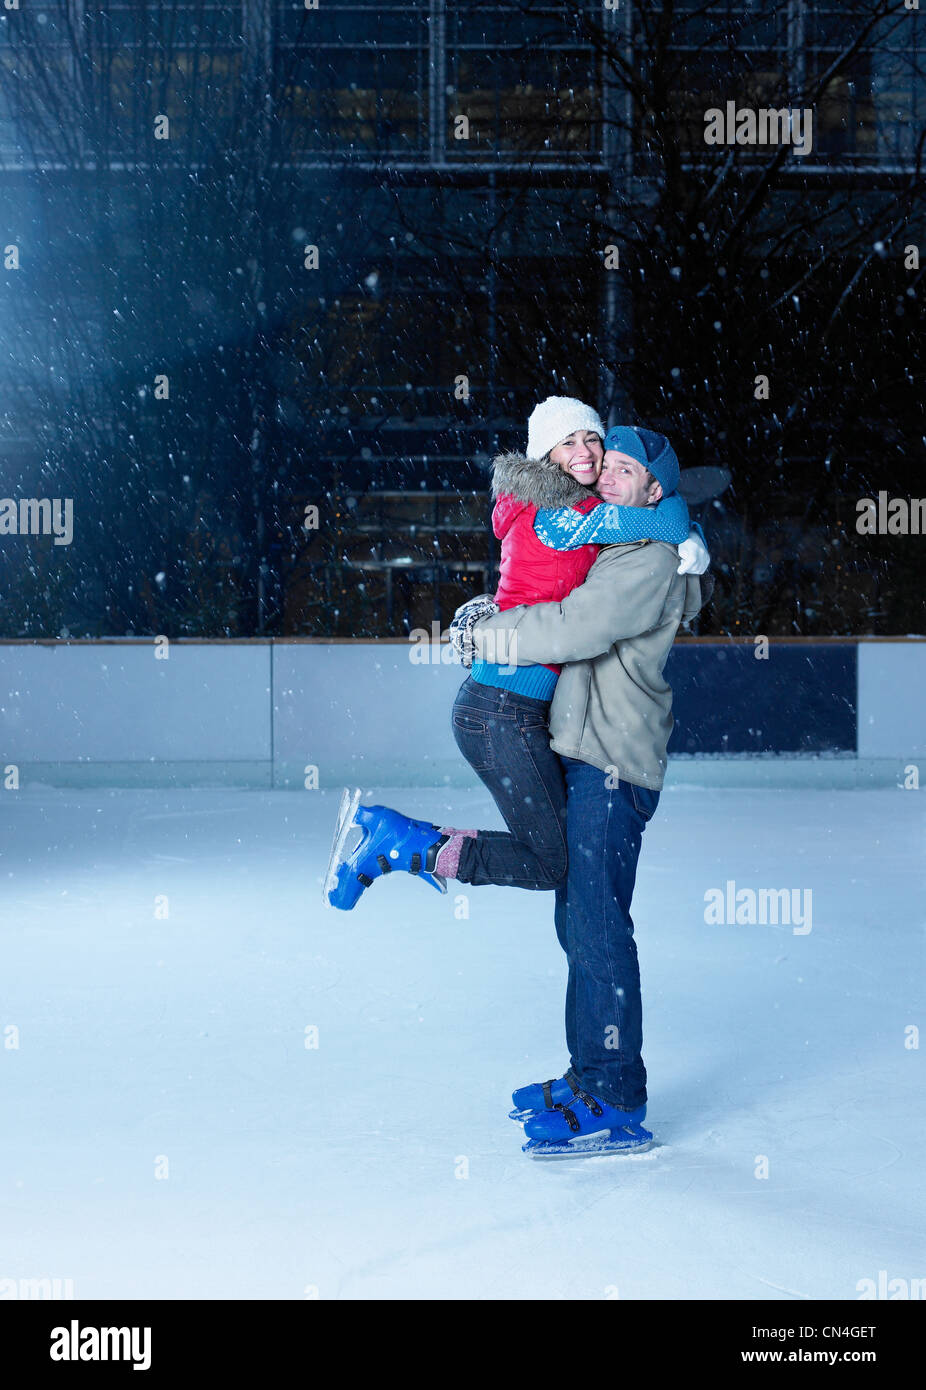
pixel 505 738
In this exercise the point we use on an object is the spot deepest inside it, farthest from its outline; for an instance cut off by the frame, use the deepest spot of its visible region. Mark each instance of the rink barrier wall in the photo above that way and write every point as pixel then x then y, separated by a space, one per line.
pixel 266 713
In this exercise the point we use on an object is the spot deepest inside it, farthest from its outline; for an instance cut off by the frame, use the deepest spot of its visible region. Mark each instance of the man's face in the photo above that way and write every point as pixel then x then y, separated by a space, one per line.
pixel 624 480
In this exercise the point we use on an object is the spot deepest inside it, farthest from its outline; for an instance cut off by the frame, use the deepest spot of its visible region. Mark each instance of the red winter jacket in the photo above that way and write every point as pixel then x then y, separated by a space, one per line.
pixel 529 571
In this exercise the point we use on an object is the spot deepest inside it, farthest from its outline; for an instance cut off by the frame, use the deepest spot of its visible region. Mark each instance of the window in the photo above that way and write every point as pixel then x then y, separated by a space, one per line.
pixel 93 89
pixel 526 79
pixel 776 56
pixel 874 100
pixel 355 77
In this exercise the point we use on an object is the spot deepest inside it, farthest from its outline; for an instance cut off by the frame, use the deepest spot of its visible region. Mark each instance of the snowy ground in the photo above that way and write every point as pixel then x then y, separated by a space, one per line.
pixel 343 1167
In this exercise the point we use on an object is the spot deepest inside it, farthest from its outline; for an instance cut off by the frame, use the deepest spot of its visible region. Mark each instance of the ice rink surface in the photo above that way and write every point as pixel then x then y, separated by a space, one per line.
pixel 170 1130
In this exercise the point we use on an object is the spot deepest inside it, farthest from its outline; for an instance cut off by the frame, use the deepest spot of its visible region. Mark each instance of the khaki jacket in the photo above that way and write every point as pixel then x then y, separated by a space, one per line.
pixel 611 708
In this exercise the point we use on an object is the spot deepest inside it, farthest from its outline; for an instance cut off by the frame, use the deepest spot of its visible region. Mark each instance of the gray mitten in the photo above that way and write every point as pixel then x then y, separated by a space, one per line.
pixel 461 629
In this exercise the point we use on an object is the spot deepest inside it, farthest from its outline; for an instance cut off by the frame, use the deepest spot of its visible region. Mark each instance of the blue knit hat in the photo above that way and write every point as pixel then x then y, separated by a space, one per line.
pixel 652 450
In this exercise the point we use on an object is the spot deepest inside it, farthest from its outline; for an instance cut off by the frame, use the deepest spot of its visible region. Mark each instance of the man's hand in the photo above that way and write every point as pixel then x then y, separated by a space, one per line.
pixel 461 629
pixel 694 554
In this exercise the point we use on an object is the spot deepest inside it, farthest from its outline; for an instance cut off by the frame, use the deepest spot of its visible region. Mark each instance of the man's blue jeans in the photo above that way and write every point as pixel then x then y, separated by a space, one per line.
pixel 604 1014
pixel 505 739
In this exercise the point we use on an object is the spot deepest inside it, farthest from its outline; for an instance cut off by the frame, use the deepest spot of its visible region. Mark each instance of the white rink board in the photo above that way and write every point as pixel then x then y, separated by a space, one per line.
pixel 892 700
pixel 364 714
pixel 115 702
pixel 261 713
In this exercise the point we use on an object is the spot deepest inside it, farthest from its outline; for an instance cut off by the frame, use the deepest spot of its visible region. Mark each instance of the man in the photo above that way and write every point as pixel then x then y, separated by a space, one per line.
pixel 610 722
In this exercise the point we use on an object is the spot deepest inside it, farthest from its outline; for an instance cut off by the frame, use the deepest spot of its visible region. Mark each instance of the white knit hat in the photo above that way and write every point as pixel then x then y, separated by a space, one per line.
pixel 554 419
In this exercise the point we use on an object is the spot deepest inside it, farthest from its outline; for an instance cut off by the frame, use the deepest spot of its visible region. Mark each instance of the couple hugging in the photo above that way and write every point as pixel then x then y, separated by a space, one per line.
pixel 565 717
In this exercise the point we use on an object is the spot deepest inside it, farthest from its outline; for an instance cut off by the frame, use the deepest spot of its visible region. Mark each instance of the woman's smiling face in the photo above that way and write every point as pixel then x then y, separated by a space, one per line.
pixel 580 455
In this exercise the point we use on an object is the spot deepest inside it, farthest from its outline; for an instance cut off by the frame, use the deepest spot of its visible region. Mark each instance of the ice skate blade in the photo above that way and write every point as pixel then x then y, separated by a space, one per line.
pixel 350 800
pixel 436 881
pixel 625 1143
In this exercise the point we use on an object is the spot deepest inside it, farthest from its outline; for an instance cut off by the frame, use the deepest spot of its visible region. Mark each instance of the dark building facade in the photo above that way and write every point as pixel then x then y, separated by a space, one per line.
pixel 359 241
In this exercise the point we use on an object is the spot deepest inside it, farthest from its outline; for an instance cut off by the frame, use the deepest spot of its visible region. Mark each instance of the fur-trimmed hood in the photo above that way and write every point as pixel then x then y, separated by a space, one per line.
pixel 540 484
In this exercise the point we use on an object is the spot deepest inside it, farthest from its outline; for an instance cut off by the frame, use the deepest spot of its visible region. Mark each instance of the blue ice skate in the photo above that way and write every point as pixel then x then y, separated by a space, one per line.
pixel 543 1095
pixel 388 840
pixel 584 1127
